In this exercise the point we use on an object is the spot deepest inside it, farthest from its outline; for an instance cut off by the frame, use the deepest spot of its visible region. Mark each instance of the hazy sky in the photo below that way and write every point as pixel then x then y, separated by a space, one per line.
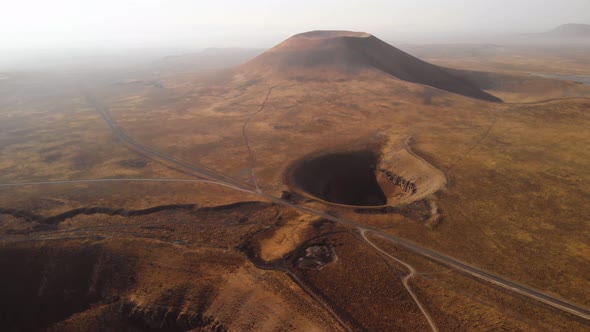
pixel 262 23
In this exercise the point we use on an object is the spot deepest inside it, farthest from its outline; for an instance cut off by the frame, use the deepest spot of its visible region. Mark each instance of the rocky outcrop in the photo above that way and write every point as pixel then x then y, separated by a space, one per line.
pixel 406 185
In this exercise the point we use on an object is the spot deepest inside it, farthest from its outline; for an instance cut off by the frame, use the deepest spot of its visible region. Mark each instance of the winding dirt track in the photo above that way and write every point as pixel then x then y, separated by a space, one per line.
pixel 405 281
pixel 478 142
pixel 221 179
pixel 247 142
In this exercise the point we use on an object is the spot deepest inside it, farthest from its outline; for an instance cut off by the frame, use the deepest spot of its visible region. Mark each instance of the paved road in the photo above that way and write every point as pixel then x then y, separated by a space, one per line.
pixel 227 181
pixel 200 170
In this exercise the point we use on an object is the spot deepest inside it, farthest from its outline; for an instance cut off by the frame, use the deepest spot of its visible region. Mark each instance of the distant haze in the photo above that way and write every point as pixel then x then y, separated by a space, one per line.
pixel 34 25
pixel 262 23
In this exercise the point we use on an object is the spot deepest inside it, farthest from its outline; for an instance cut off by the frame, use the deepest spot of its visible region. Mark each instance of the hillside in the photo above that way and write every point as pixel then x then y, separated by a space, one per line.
pixel 570 31
pixel 325 54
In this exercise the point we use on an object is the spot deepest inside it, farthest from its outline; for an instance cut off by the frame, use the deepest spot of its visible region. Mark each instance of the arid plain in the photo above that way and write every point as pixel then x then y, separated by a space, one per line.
pixel 306 189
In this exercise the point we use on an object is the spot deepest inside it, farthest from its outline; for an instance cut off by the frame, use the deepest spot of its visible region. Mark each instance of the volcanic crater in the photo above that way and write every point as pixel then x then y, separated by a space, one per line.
pixel 346 178
pixel 364 176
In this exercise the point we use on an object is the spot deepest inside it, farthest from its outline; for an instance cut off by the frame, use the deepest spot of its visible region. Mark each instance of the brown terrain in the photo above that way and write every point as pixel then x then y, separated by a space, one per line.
pixel 332 183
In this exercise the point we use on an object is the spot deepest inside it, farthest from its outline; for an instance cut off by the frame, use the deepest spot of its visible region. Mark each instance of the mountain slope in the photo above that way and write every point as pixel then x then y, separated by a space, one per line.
pixel 570 31
pixel 347 53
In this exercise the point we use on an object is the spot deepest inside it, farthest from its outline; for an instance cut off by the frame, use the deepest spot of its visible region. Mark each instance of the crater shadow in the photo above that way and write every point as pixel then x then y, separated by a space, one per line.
pixel 342 177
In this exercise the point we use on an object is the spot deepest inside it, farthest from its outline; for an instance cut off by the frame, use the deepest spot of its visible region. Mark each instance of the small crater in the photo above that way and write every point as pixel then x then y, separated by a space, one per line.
pixel 316 257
